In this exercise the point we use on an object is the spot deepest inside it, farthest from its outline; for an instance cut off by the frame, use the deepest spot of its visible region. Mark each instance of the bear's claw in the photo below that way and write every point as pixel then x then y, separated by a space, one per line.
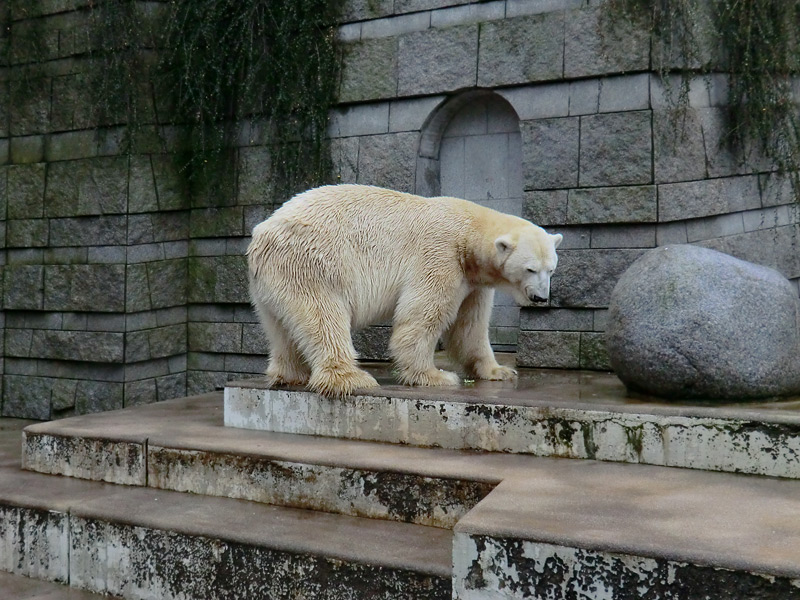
pixel 432 377
pixel 495 373
pixel 338 383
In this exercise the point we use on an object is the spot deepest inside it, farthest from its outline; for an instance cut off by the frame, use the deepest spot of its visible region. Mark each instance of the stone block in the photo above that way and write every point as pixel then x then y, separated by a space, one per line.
pixel 167 341
pixel 74 105
pixel 550 153
pixel 238 364
pixel 23 287
pixel 26 397
pixel 216 222
pixel 539 102
pixel 549 349
pixel 137 346
pixel 63 394
pixel 767 218
pixel 215 337
pixel 362 119
pixel 26 233
pixel 411 115
pixel 97 396
pixel 521 50
pixel 671 233
pixel 395 26
pixel 96 288
pixel 254 340
pixel 105 322
pixel 86 346
pixel 776 190
pixel 372 343
pixel 26 150
pixel 596 43
pixel 254 179
pixel 593 353
pixel 108 230
pixel 25 189
pixel 205 361
pixel 437 60
pixel 87 187
pixel 714 227
pixel 625 93
pixel 678 149
pixel 616 149
pixel 168 282
pixel 584 97
pixel 18 342
pixel 722 157
pixel 218 279
pixel 200 382
pixel 369 70
pixel 105 254
pixel 71 145
pixel 171 186
pixel 612 205
pixel 624 236
pixel 171 386
pixel 679 201
pixel 140 392
pixel 29 106
pixel 388 160
pixel 142 195
pixel 253 215
pixel 468 13
pixel 585 278
pixel 556 319
pixel 357 10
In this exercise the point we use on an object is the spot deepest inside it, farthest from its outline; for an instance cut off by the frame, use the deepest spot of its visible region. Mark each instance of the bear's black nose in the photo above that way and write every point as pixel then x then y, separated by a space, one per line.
pixel 539 299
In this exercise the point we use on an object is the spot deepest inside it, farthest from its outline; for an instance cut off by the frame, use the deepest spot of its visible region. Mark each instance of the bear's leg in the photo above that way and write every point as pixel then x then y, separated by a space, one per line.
pixel 418 323
pixel 321 325
pixel 467 339
pixel 286 365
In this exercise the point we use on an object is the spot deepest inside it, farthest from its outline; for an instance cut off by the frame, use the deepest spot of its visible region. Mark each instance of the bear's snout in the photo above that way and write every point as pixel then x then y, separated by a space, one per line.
pixel 539 299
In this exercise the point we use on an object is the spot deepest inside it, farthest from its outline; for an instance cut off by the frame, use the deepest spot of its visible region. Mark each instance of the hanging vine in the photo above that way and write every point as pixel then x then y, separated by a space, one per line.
pixel 197 77
pixel 755 42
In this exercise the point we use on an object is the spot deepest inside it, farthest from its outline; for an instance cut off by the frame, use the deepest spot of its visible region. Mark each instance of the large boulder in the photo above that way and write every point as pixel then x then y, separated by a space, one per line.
pixel 689 322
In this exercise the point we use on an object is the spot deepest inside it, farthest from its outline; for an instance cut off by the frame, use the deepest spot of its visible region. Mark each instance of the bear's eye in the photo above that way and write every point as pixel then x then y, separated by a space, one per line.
pixel 531 270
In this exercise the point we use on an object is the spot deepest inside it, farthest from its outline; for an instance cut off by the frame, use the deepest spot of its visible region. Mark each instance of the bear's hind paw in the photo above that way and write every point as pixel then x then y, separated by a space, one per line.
pixel 495 372
pixel 338 383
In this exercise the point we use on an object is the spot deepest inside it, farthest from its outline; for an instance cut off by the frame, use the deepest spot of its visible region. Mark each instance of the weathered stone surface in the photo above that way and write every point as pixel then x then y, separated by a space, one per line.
pixel 108 230
pixel 99 288
pixel 550 153
pixel 369 70
pixel 87 346
pixel 27 233
pixel 372 343
pixel 597 43
pixel 26 397
pixel 168 282
pixel 678 150
pixel 616 149
pixel 87 187
pixel 521 50
pixel 142 195
pixel 612 205
pixel 35 543
pixel 549 349
pixel 26 191
pixel 215 337
pixel 688 322
pixel 593 352
pixel 679 201
pixel 218 279
pixel 30 106
pixel 585 278
pixel 26 150
pixel 545 208
pixel 254 183
pixel 97 396
pixel 397 173
pixel 216 222
pixel 23 287
pixel 437 60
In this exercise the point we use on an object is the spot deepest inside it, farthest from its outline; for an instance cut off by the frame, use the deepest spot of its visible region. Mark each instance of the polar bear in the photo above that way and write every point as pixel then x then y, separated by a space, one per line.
pixel 338 258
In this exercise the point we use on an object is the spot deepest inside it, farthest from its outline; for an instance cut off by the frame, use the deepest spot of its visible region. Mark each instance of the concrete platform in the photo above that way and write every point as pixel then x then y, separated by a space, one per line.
pixel 144 543
pixel 17 587
pixel 569 414
pixel 544 528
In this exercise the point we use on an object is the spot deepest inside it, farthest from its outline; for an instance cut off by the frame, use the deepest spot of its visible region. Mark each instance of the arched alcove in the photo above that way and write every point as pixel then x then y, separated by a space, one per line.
pixel 471 148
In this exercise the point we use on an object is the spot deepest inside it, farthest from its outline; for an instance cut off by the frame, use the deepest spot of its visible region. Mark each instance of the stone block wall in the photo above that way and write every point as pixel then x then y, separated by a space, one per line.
pixel 118 289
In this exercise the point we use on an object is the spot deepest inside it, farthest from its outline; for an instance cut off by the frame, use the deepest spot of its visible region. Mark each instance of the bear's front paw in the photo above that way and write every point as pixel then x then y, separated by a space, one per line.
pixel 494 372
pixel 431 377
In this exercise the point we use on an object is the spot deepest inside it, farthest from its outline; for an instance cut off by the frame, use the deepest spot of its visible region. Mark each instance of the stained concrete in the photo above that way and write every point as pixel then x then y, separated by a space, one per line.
pixel 17 587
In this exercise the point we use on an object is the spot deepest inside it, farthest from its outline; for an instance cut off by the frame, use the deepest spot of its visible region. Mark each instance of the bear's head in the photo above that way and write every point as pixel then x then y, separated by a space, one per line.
pixel 527 258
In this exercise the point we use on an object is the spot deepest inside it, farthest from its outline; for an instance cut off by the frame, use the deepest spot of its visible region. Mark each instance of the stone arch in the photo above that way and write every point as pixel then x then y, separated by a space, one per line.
pixel 471 148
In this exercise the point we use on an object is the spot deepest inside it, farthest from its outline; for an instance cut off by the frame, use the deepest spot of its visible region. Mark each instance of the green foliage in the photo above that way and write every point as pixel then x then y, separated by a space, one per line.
pixel 755 42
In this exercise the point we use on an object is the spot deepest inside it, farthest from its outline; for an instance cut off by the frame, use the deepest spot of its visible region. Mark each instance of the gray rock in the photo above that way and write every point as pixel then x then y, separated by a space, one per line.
pixel 689 322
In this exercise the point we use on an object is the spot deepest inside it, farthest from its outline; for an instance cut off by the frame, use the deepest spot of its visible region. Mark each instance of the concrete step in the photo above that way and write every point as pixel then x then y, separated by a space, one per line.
pixel 548 528
pixel 17 587
pixel 137 542
pixel 567 414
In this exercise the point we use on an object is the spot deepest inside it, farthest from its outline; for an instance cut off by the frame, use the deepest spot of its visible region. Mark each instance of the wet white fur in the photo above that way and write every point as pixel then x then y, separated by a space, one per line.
pixel 337 258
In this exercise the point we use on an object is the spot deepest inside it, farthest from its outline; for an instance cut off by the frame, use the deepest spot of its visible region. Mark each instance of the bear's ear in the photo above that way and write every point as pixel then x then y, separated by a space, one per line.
pixel 504 245
pixel 557 237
